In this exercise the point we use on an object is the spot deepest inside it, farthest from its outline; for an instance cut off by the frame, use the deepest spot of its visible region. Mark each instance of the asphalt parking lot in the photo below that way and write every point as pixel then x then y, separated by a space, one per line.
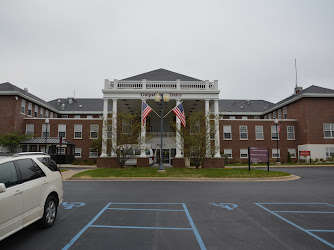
pixel 295 214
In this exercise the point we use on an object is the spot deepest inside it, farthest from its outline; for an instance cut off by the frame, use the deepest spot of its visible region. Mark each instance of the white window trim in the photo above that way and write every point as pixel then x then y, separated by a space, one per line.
pixel 33 129
pixel 75 156
pixel 271 133
pixel 295 153
pixel 243 139
pixel 331 129
pixel 23 105
pixel 227 139
pixel 287 133
pixel 244 149
pixel 64 137
pixel 274 151
pixel 76 138
pixel 258 133
pixel 90 151
pixel 90 131
pixel 231 152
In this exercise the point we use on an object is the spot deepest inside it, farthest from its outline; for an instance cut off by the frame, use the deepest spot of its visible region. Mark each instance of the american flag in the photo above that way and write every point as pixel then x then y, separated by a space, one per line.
pixel 146 109
pixel 179 111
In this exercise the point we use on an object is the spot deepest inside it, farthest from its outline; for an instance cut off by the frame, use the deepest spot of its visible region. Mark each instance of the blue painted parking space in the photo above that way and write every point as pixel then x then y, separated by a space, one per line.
pixel 315 219
pixel 141 216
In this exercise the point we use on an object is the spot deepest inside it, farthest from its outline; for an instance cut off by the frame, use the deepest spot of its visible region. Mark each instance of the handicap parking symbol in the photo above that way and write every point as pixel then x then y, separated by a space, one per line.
pixel 228 206
pixel 70 205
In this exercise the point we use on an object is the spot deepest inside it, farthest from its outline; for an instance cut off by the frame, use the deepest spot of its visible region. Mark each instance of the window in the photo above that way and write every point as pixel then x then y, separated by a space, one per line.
pixel 51 114
pixel 265 117
pixel 41 112
pixel 29 170
pixel 8 174
pixel 291 132
pixel 279 113
pixel 94 131
pixel 29 108
pixel 329 130
pixel 78 131
pixel 60 151
pixel 274 114
pixel 243 133
pixel 194 128
pixel 228 153
pixel 274 134
pixel 23 106
pixel 292 152
pixel 36 111
pixel 274 153
pixel 30 129
pixel 89 116
pixel 109 131
pixel 244 117
pixel 76 116
pixel 329 152
pixel 227 132
pixel 244 153
pixel 232 117
pixel 62 130
pixel 93 153
pixel 259 133
pixel 126 127
pixel 269 116
pixel 45 130
pixel 256 117
pixel 285 114
pixel 77 153
pixel 46 113
pixel 64 116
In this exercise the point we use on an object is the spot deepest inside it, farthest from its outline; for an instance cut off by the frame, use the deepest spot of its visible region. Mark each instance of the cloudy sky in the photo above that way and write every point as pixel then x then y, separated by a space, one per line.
pixel 57 47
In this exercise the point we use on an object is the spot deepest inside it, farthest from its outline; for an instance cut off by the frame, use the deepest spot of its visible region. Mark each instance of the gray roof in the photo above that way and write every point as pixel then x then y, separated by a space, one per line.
pixel 8 87
pixel 243 106
pixel 79 104
pixel 160 75
pixel 49 140
pixel 316 90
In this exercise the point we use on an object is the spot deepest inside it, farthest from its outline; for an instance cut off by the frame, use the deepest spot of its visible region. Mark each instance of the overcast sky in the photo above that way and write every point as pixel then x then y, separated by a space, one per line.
pixel 56 47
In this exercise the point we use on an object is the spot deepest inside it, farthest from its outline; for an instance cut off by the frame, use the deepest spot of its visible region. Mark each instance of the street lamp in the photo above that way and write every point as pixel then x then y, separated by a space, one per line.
pixel 276 122
pixel 164 98
pixel 46 132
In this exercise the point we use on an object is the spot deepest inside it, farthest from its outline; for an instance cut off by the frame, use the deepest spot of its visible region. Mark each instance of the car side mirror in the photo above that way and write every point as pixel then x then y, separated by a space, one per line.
pixel 2 188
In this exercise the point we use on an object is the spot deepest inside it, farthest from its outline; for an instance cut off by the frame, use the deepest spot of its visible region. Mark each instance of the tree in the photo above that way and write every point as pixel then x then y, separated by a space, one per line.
pixel 11 141
pixel 195 137
pixel 127 137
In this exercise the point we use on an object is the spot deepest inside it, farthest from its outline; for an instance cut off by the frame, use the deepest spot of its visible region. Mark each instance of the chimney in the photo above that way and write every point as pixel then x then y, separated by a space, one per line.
pixel 58 102
pixel 298 90
pixel 62 106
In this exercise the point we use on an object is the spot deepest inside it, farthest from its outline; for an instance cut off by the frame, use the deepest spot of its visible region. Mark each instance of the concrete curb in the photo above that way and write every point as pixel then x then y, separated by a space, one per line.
pixel 283 178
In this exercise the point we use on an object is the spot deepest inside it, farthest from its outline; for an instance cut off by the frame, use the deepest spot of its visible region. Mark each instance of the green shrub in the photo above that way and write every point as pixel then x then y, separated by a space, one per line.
pixel 322 159
pixel 316 160
pixel 302 160
pixel 289 157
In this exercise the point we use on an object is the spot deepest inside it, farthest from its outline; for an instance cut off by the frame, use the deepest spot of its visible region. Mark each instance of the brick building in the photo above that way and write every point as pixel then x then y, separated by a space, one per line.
pixel 305 119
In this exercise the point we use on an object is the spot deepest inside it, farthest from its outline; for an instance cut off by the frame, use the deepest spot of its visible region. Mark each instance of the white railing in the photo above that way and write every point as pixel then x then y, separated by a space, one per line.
pixel 166 85
pixel 158 134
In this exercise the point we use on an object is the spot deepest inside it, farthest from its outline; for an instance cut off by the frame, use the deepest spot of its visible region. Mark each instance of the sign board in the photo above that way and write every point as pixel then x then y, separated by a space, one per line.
pixel 258 154
pixel 305 153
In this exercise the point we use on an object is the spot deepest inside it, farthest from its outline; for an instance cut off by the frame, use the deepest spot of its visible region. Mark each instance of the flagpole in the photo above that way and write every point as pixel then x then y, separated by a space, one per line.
pixel 153 110
pixel 172 109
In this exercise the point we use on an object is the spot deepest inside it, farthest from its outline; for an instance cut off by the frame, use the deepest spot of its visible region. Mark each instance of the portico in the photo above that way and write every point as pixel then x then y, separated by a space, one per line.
pixel 127 95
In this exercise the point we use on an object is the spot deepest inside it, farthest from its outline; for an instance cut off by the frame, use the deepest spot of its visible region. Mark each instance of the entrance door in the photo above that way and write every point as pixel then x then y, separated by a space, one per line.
pixel 165 153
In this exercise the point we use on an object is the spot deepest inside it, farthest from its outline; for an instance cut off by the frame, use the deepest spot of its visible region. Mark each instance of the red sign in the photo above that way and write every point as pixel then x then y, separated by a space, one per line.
pixel 258 154
pixel 304 153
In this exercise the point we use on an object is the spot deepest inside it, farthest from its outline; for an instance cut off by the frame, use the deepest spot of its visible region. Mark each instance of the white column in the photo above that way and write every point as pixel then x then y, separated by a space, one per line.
pixel 143 134
pixel 114 127
pixel 104 128
pixel 217 141
pixel 207 121
pixel 178 138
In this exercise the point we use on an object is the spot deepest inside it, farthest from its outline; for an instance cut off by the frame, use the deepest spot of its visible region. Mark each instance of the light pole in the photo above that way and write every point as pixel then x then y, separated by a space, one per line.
pixel 46 133
pixel 276 122
pixel 165 99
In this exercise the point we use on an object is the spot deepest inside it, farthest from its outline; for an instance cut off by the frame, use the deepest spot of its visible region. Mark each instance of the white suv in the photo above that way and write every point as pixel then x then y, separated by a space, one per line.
pixel 31 188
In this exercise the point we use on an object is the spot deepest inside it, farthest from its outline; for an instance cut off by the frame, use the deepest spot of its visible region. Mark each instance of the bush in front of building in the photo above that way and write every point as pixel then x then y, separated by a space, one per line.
pixel 11 141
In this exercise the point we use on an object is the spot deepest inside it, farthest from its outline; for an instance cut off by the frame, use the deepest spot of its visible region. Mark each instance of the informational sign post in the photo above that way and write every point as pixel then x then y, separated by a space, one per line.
pixel 305 154
pixel 258 155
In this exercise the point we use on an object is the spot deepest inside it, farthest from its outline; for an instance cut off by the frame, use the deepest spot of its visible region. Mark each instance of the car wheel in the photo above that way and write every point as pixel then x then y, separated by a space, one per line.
pixel 50 212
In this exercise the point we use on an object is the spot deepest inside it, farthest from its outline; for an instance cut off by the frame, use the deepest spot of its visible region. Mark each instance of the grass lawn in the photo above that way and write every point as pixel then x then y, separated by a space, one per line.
pixel 63 170
pixel 180 172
